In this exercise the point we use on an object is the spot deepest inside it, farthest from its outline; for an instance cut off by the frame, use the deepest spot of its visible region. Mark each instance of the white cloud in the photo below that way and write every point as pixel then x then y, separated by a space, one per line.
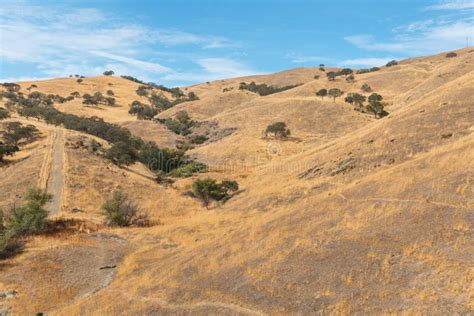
pixel 224 67
pixel 452 5
pixel 174 38
pixel 213 69
pixel 366 62
pixel 143 65
pixel 420 38
pixel 87 41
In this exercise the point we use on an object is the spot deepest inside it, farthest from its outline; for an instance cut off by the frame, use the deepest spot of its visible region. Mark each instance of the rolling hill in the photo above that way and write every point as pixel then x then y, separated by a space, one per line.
pixel 349 214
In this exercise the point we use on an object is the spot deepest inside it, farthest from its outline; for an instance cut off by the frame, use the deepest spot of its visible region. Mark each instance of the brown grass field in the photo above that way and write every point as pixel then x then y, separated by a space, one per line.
pixel 349 215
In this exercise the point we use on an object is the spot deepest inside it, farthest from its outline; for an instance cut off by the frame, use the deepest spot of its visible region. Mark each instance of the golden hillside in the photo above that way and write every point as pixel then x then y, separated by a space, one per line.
pixel 350 214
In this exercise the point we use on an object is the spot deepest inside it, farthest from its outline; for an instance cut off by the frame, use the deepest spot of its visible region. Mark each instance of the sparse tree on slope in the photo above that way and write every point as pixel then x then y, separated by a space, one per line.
pixel 335 93
pixel 322 93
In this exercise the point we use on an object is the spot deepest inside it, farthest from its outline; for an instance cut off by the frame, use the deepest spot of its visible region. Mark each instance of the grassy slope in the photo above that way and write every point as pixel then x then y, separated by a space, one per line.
pixel 392 234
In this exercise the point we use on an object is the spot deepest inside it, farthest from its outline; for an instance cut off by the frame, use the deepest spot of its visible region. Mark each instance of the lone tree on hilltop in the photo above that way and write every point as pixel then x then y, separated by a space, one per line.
pixel 322 93
pixel 108 73
pixel 278 129
pixel 335 93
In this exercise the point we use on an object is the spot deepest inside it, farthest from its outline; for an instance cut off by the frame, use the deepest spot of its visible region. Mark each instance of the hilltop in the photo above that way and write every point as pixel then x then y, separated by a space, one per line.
pixel 351 213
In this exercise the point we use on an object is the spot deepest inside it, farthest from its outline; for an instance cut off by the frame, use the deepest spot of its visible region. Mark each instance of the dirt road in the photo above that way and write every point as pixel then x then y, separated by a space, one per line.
pixel 56 174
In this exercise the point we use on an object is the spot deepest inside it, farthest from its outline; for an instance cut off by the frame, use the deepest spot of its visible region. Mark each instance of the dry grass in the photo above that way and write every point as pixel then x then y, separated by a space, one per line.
pixel 392 233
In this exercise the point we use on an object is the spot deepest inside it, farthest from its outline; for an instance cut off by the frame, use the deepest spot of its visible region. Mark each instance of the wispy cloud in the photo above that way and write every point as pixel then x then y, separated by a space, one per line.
pixel 213 69
pixel 87 41
pixel 452 5
pixel 366 62
pixel 174 38
pixel 421 37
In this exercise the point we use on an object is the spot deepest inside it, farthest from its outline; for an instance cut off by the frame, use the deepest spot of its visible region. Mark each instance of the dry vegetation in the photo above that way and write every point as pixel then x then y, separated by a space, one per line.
pixel 347 214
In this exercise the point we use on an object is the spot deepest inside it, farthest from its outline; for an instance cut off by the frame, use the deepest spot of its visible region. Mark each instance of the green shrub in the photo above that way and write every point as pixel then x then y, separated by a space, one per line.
pixel 122 153
pixel 209 189
pixel 199 139
pixel 366 88
pixel 119 210
pixel 108 73
pixel 30 217
pixel 278 129
pixel 451 55
pixel 188 170
pixel 7 150
pixel 4 113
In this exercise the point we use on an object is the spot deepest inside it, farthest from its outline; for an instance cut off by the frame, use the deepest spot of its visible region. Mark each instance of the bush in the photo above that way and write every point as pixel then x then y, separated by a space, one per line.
pixel 121 211
pixel 366 88
pixel 278 129
pixel 350 78
pixel 158 159
pixel 7 150
pixel 30 217
pixel 331 76
pixel 108 73
pixel 4 113
pixel 122 153
pixel 335 93
pixel 11 87
pixel 188 170
pixel 180 124
pixel 199 139
pixel 451 55
pixel 79 81
pixel 209 189
pixel 110 93
pixel 391 63
pixel 316 77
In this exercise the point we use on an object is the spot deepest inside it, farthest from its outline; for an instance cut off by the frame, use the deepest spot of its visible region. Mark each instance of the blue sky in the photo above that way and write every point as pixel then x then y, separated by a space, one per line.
pixel 184 42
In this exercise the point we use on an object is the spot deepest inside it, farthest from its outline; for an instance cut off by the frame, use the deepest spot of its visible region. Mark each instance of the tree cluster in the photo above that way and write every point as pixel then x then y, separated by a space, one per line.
pixel 97 98
pixel 391 63
pixel 263 89
pixel 374 106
